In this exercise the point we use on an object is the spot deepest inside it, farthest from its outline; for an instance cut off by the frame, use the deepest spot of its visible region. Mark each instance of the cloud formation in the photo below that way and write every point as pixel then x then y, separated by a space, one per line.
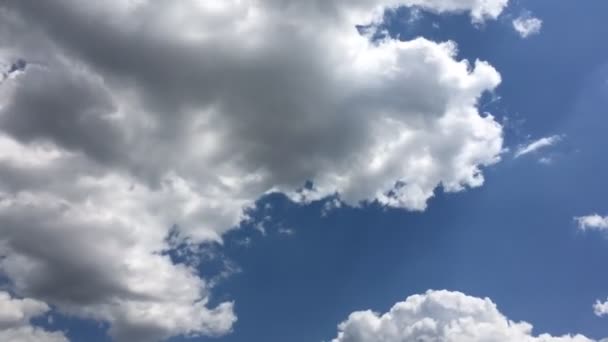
pixel 441 316
pixel 145 116
pixel 592 222
pixel 527 25
pixel 600 308
pixel 15 316
pixel 597 223
pixel 537 145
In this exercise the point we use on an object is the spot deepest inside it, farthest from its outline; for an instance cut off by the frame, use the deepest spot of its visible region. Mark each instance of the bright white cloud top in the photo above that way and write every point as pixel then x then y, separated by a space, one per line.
pixel 441 316
pixel 592 222
pixel 527 25
pixel 537 145
pixel 15 316
pixel 144 115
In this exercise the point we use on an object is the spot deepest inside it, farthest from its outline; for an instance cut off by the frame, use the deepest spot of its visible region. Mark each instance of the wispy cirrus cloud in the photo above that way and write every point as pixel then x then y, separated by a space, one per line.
pixel 537 145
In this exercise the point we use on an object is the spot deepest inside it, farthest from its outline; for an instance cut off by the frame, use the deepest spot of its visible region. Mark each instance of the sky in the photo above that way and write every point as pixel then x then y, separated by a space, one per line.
pixel 265 170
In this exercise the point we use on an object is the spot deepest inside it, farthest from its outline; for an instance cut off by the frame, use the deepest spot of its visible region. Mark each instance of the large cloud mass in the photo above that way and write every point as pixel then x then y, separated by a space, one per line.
pixel 441 316
pixel 122 119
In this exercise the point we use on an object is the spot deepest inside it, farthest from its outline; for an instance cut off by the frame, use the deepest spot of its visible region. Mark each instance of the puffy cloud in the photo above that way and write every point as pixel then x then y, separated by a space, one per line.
pixel 599 223
pixel 15 316
pixel 600 309
pixel 101 259
pixel 128 118
pixel 592 222
pixel 526 25
pixel 537 145
pixel 441 316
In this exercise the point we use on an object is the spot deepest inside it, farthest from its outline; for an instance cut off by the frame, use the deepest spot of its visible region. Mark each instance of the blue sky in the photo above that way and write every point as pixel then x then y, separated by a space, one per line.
pixel 513 240
pixel 295 270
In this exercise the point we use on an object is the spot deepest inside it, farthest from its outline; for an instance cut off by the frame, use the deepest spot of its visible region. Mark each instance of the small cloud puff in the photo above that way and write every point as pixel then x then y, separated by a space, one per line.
pixel 527 25
pixel 601 309
pixel 592 222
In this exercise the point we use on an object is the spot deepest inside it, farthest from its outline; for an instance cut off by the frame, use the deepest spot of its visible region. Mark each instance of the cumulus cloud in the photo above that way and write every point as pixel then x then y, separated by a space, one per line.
pixel 441 316
pixel 526 25
pixel 537 145
pixel 592 222
pixel 149 116
pixel 15 316
pixel 600 309
pixel 599 223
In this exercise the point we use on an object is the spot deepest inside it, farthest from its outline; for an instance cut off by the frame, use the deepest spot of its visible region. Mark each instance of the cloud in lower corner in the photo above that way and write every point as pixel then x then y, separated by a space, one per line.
pixel 441 316
pixel 15 320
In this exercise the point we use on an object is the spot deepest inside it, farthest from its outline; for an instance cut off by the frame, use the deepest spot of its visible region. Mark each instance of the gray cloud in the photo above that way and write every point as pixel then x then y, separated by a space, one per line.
pixel 66 108
pixel 15 316
pixel 132 117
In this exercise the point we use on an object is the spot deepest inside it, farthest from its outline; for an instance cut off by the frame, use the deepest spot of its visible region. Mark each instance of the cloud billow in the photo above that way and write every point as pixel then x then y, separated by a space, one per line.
pixel 144 116
pixel 15 317
pixel 442 316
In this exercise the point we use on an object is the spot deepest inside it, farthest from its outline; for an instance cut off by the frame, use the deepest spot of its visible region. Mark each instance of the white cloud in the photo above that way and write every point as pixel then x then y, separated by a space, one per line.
pixel 600 309
pixel 537 145
pixel 15 316
pixel 592 222
pixel 93 250
pixel 546 160
pixel 441 316
pixel 480 9
pixel 600 223
pixel 184 113
pixel 330 205
pixel 527 26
